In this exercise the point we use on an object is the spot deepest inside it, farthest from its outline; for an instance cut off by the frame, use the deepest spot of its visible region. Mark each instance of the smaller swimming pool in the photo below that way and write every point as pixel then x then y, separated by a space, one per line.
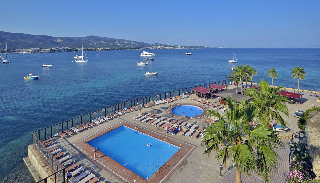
pixel 187 110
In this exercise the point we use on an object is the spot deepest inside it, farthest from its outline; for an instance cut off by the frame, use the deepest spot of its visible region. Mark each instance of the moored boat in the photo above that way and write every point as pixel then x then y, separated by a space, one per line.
pixel 151 73
pixel 81 58
pixel 142 63
pixel 31 77
pixel 6 60
pixel 45 65
pixel 233 61
pixel 147 54
pixel 188 53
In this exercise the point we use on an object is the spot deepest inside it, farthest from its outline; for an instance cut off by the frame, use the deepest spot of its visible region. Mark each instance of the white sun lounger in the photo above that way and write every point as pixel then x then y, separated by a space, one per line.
pixel 79 177
pixel 68 163
pixel 87 178
pixel 76 171
pixel 190 133
pixel 56 151
pixel 65 158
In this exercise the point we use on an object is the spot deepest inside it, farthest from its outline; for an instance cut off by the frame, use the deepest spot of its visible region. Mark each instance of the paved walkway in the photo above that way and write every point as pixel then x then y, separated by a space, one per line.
pixel 276 176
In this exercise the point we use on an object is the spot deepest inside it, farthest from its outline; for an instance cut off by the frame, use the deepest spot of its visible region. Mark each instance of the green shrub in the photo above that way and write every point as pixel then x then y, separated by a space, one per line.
pixel 303 119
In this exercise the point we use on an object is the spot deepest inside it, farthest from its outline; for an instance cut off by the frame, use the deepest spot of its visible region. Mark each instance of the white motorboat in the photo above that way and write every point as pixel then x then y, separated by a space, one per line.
pixel 188 53
pixel 45 65
pixel 6 60
pixel 147 54
pixel 31 77
pixel 142 63
pixel 151 73
pixel 81 58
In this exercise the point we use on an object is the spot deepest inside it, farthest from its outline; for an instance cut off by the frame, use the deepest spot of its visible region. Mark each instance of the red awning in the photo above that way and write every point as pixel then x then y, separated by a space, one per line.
pixel 215 86
pixel 257 88
pixel 289 94
pixel 201 89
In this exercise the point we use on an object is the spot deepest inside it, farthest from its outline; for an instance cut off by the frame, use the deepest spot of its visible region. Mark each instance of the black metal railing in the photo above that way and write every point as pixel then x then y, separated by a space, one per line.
pixel 43 134
pixel 58 168
pixel 49 132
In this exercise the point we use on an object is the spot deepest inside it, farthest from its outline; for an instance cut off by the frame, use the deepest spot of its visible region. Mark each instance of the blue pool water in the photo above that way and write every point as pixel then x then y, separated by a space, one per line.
pixel 129 148
pixel 187 110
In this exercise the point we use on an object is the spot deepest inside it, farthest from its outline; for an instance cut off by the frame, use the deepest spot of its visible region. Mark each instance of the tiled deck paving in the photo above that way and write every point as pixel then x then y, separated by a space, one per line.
pixel 196 167
pixel 124 173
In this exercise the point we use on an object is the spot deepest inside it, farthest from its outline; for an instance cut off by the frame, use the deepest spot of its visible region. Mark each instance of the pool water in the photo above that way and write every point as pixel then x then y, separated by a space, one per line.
pixel 187 110
pixel 129 148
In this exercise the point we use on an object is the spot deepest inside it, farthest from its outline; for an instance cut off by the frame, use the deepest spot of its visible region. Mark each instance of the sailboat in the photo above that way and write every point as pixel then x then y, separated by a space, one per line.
pixel 81 58
pixel 6 60
pixel 233 61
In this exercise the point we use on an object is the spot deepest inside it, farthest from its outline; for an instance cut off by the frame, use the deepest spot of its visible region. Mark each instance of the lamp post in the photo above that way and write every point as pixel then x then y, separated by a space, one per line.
pixel 221 167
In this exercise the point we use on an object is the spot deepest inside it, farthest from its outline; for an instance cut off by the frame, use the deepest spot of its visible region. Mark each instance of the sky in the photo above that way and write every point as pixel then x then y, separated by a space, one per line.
pixel 227 23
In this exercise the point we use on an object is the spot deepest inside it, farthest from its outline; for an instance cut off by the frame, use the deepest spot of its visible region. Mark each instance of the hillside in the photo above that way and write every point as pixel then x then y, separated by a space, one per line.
pixel 26 41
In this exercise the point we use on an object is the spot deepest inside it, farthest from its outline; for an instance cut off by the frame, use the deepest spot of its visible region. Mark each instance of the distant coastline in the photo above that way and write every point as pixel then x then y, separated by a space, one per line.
pixel 67 49
pixel 26 43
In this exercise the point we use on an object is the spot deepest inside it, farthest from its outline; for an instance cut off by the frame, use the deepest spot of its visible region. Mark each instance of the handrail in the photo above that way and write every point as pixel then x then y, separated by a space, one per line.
pixel 62 126
pixel 38 143
pixel 36 135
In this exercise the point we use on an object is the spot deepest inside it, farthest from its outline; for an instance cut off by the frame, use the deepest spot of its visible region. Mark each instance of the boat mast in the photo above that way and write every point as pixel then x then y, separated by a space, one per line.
pixel 82 53
pixel 6 51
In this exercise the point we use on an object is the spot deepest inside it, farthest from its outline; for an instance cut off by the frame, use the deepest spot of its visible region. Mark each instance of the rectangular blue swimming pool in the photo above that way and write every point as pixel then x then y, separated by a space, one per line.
pixel 129 148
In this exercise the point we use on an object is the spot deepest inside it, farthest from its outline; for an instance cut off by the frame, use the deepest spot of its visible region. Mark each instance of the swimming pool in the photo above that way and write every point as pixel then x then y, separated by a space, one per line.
pixel 187 110
pixel 129 148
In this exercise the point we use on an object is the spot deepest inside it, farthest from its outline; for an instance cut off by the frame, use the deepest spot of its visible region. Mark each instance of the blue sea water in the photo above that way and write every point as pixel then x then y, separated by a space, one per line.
pixel 129 148
pixel 187 110
pixel 70 89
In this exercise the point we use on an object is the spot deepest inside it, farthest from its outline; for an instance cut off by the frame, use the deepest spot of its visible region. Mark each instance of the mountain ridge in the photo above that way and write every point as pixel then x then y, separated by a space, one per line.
pixel 27 41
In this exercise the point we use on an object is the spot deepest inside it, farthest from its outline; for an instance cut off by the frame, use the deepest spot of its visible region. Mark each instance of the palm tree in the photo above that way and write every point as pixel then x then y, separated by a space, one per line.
pixel 268 103
pixel 232 138
pixel 239 74
pixel 251 71
pixel 298 73
pixel 272 73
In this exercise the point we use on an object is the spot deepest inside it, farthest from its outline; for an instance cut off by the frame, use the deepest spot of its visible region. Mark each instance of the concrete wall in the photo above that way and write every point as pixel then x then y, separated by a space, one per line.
pixel 37 165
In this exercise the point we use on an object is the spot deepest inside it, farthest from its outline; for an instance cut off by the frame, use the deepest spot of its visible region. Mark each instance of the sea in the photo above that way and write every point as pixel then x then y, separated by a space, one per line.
pixel 70 89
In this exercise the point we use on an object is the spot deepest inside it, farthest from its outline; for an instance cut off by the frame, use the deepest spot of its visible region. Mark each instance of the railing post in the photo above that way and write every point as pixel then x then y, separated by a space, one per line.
pixel 64 175
pixel 51 131
pixel 90 117
pixel 39 135
pixel 105 112
pixel 81 120
pixel 45 133
pixel 72 122
pixel 62 126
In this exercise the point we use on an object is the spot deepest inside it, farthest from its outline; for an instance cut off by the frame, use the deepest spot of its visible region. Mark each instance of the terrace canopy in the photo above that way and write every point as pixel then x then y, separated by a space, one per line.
pixel 215 86
pixel 201 90
pixel 290 95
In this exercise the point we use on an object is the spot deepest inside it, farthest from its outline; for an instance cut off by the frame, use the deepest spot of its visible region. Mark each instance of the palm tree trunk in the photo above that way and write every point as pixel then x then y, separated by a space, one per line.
pixel 241 84
pixel 298 86
pixel 272 81
pixel 238 174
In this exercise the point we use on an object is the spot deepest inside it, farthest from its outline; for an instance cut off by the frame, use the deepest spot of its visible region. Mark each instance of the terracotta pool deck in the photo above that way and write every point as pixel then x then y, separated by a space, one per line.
pixel 122 172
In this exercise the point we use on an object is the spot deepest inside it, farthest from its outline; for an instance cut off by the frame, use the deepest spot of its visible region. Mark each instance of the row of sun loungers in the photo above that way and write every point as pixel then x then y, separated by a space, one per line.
pixel 75 172
pixel 168 123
